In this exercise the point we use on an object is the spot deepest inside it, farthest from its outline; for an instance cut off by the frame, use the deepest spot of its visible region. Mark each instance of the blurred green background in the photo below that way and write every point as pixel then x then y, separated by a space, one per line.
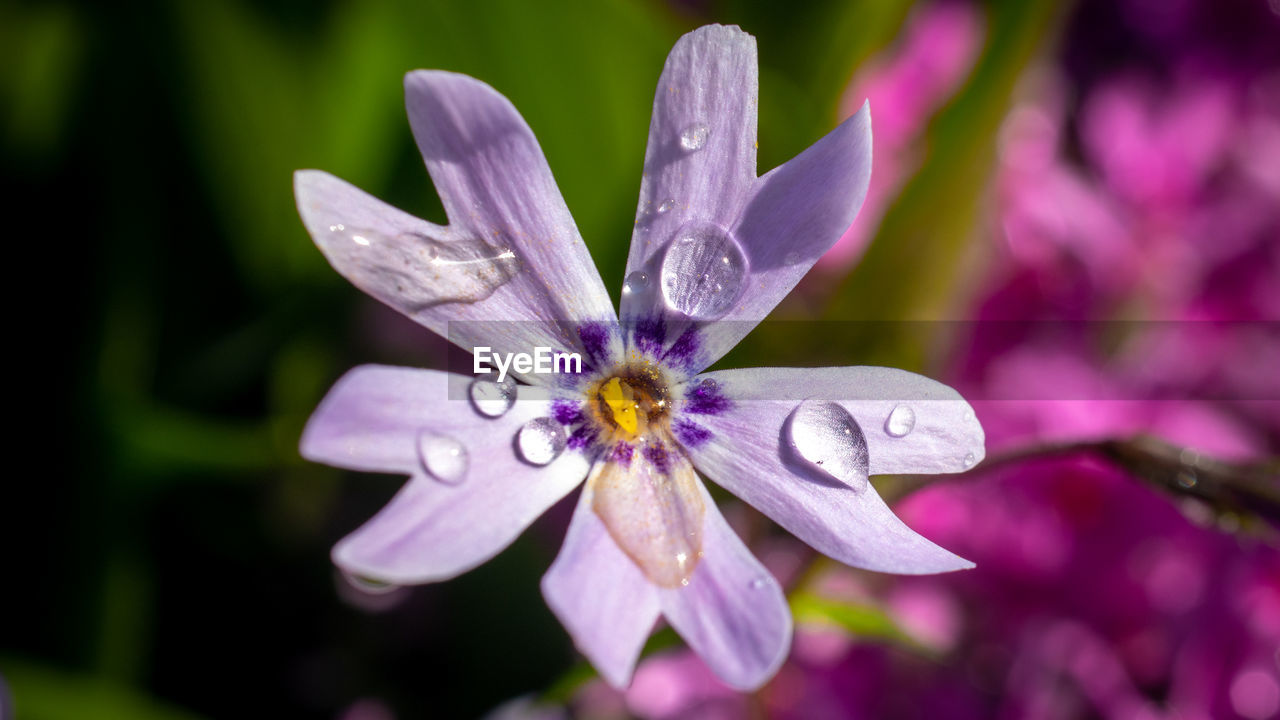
pixel 172 548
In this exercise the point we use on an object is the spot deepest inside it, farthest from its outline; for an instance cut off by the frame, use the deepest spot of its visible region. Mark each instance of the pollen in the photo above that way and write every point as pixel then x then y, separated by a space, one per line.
pixel 630 402
pixel 621 400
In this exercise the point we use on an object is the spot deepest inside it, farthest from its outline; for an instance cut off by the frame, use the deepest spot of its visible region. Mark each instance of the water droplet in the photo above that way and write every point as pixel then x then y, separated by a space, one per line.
pixel 759 583
pixel 541 440
pixel 442 456
pixel 369 585
pixel 490 397
pixel 791 258
pixel 666 206
pixel 636 283
pixel 411 272
pixel 901 421
pixel 970 459
pixel 1187 479
pixel 703 271
pixel 827 436
pixel 694 137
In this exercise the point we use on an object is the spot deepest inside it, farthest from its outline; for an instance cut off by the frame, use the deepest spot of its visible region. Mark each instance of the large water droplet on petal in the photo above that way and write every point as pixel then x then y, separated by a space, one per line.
pixel 827 436
pixel 703 271
pixel 654 512
pixel 412 272
pixel 541 440
pixel 443 457
pixel 694 137
pixel 969 460
pixel 901 421
pixel 666 206
pixel 491 397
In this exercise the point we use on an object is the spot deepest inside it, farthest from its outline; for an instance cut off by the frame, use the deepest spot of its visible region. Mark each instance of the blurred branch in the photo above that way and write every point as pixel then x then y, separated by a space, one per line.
pixel 1245 489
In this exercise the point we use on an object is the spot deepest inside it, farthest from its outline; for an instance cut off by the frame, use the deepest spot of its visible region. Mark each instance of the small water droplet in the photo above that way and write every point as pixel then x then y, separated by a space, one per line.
pixel 694 137
pixel 541 440
pixel 443 457
pixel 490 397
pixel 636 283
pixel 827 436
pixel 901 421
pixel 369 585
pixel 703 271
pixel 759 583
pixel 1187 478
pixel 791 258
pixel 970 459
pixel 666 206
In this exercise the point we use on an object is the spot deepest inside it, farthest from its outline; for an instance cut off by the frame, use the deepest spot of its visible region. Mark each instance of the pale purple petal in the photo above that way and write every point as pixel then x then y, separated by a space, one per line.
pixel 797 212
pixel 374 418
pixel 744 453
pixel 511 260
pixel 600 596
pixel 944 436
pixel 700 163
pixel 700 182
pixel 732 613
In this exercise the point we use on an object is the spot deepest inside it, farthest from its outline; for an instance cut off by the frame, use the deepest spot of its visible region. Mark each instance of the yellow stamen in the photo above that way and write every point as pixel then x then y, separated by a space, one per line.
pixel 621 400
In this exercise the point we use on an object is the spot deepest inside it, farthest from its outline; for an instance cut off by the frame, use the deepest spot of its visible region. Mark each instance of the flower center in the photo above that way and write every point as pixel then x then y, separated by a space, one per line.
pixel 631 402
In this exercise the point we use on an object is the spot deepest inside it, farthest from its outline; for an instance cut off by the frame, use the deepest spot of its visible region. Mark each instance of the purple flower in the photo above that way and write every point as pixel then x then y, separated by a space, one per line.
pixel 715 248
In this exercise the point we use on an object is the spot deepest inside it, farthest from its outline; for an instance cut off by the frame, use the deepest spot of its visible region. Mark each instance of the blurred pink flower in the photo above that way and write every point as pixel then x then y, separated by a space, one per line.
pixel 906 86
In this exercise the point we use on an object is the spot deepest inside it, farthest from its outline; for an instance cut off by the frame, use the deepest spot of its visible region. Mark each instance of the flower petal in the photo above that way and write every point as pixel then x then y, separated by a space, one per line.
pixel 651 506
pixel 700 182
pixel 706 100
pixel 511 260
pixel 744 455
pixel 733 613
pixel 600 596
pixel 432 530
pixel 797 212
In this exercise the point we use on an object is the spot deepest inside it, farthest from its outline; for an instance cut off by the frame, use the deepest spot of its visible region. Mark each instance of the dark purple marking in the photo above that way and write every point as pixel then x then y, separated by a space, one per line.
pixel 649 334
pixel 595 341
pixel 582 438
pixel 705 398
pixel 690 434
pixel 622 453
pixel 566 412
pixel 656 453
pixel 685 347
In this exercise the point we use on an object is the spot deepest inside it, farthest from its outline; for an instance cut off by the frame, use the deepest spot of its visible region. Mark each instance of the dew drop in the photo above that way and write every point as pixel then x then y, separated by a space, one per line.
pixel 900 422
pixel 636 283
pixel 541 440
pixel 694 137
pixel 412 271
pixel 369 585
pixel 490 397
pixel 826 435
pixel 443 457
pixel 703 271
pixel 969 460
pixel 759 583
pixel 666 206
